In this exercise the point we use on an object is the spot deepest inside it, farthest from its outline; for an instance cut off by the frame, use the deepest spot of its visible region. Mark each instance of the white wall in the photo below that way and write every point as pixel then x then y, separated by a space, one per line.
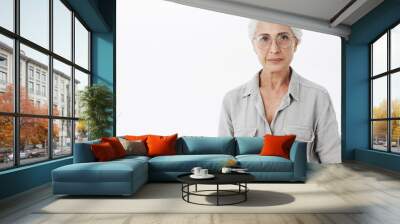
pixel 175 63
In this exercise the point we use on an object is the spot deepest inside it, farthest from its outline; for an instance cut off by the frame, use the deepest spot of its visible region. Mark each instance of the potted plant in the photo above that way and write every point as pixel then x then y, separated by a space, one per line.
pixel 96 102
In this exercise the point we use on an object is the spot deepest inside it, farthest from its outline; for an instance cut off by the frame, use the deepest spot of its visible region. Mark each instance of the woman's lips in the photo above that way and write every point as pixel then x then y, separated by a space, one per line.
pixel 275 60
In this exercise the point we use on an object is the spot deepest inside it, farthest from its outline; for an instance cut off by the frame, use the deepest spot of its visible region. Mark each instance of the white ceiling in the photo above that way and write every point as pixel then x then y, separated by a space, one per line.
pixel 316 15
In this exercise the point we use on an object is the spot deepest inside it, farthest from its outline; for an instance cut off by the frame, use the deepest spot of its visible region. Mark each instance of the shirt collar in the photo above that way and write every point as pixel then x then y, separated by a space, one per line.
pixel 253 86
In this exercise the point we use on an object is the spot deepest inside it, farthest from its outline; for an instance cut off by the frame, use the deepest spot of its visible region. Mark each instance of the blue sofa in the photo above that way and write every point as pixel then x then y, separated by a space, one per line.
pixel 125 176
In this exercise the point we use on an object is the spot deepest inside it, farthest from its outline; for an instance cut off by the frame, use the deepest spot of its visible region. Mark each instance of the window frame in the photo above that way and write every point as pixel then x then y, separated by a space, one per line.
pixel 15 72
pixel 388 74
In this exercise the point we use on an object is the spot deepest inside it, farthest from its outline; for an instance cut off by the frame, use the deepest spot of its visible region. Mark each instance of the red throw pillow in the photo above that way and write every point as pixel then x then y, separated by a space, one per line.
pixel 116 145
pixel 277 145
pixel 103 151
pixel 161 145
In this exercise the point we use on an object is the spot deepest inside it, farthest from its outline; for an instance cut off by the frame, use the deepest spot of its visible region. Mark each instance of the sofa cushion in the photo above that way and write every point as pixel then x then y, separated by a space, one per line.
pixel 132 158
pixel 185 163
pixel 116 145
pixel 197 145
pixel 161 145
pixel 111 171
pixel 103 152
pixel 257 163
pixel 136 137
pixel 249 145
pixel 83 152
pixel 134 147
pixel 275 145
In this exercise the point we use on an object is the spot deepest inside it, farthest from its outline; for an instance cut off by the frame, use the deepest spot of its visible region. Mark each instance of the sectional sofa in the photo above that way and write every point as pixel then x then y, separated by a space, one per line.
pixel 125 176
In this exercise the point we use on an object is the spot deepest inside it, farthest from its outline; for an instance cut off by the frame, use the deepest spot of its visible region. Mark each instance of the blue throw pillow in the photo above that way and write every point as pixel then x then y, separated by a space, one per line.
pixel 249 145
pixel 192 145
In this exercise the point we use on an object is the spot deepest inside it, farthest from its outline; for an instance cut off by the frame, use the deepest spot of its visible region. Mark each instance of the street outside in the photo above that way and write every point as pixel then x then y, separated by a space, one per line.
pixel 32 156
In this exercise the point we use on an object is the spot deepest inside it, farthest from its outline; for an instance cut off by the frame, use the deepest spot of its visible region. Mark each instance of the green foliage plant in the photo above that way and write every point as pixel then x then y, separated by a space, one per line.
pixel 96 103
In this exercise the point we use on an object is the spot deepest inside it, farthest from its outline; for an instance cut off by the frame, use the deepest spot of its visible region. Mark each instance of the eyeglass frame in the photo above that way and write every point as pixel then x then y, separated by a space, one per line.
pixel 275 39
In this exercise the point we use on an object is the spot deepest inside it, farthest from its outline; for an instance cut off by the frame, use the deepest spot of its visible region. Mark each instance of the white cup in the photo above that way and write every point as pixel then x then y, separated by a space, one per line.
pixel 203 172
pixel 196 171
pixel 226 170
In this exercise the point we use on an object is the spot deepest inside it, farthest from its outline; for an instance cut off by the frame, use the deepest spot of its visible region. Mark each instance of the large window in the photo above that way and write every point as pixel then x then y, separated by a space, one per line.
pixel 385 91
pixel 40 80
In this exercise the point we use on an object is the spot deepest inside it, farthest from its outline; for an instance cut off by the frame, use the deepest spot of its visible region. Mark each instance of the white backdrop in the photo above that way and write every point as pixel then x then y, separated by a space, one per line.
pixel 175 63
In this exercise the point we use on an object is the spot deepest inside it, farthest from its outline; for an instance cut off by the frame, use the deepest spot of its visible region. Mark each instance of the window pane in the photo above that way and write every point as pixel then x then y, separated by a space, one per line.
pixel 62 29
pixel 62 137
pixel 395 47
pixel 379 100
pixel 6 74
pixel 62 89
pixel 81 81
pixel 379 55
pixel 395 94
pixel 6 142
pixel 395 136
pixel 35 21
pixel 81 45
pixel 81 131
pixel 33 140
pixel 7 14
pixel 379 135
pixel 34 97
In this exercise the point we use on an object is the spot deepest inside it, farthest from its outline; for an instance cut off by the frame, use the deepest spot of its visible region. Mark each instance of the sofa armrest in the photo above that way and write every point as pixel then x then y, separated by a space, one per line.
pixel 298 155
pixel 83 152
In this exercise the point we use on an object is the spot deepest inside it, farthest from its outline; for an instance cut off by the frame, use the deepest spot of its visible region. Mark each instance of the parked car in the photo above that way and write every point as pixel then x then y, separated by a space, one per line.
pixel 22 155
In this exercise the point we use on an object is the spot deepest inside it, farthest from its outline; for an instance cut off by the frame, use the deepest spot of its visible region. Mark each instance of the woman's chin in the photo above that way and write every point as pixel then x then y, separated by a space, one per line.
pixel 275 67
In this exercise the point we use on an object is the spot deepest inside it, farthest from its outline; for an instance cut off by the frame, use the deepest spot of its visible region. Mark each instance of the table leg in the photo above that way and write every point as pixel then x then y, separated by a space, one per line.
pixel 217 194
pixel 182 188
pixel 245 193
pixel 188 189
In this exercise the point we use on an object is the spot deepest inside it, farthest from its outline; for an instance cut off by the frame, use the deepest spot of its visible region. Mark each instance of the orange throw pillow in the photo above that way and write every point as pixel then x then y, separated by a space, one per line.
pixel 135 138
pixel 116 145
pixel 103 151
pixel 161 145
pixel 277 145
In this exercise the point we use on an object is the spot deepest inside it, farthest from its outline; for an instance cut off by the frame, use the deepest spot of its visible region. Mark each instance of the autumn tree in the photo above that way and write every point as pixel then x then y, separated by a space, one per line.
pixel 33 131
pixel 380 127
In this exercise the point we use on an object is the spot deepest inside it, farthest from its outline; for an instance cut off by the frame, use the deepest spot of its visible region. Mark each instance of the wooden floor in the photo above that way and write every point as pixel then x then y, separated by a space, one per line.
pixel 378 188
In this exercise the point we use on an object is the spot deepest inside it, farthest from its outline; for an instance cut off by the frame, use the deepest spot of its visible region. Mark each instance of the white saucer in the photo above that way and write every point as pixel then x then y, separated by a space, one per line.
pixel 208 176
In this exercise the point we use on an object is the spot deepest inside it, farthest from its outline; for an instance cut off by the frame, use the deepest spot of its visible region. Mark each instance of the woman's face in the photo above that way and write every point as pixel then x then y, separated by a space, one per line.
pixel 274 45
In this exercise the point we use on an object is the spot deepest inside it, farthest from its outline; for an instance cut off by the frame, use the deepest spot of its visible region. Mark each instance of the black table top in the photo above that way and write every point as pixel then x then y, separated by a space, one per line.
pixel 220 178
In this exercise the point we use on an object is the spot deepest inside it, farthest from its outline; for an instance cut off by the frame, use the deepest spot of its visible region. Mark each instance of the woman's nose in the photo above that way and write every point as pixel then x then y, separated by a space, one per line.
pixel 274 48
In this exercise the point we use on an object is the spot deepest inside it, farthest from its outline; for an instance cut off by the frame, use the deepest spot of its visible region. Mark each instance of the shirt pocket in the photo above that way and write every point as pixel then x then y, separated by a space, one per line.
pixel 303 133
pixel 245 132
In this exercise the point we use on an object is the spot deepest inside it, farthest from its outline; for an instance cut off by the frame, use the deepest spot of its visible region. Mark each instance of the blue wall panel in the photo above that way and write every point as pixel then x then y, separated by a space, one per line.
pixel 103 61
pixel 24 178
pixel 357 99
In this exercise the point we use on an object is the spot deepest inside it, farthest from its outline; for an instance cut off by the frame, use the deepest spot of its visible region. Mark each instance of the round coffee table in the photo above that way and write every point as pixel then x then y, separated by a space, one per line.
pixel 238 179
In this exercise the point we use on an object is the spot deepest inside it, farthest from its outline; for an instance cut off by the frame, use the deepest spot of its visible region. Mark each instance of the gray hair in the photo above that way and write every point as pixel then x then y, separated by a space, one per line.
pixel 298 33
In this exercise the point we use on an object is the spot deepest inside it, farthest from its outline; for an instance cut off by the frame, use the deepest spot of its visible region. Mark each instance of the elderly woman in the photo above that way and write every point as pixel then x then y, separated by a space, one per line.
pixel 278 101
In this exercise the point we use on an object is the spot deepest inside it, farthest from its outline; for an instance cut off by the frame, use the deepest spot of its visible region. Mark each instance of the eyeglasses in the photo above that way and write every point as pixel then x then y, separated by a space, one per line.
pixel 264 41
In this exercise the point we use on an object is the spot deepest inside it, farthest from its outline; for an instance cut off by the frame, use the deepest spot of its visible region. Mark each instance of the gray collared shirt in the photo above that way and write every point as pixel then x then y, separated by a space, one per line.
pixel 305 111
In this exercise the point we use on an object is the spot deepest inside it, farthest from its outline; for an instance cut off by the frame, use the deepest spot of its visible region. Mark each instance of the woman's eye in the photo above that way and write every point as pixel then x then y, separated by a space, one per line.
pixel 264 38
pixel 285 37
